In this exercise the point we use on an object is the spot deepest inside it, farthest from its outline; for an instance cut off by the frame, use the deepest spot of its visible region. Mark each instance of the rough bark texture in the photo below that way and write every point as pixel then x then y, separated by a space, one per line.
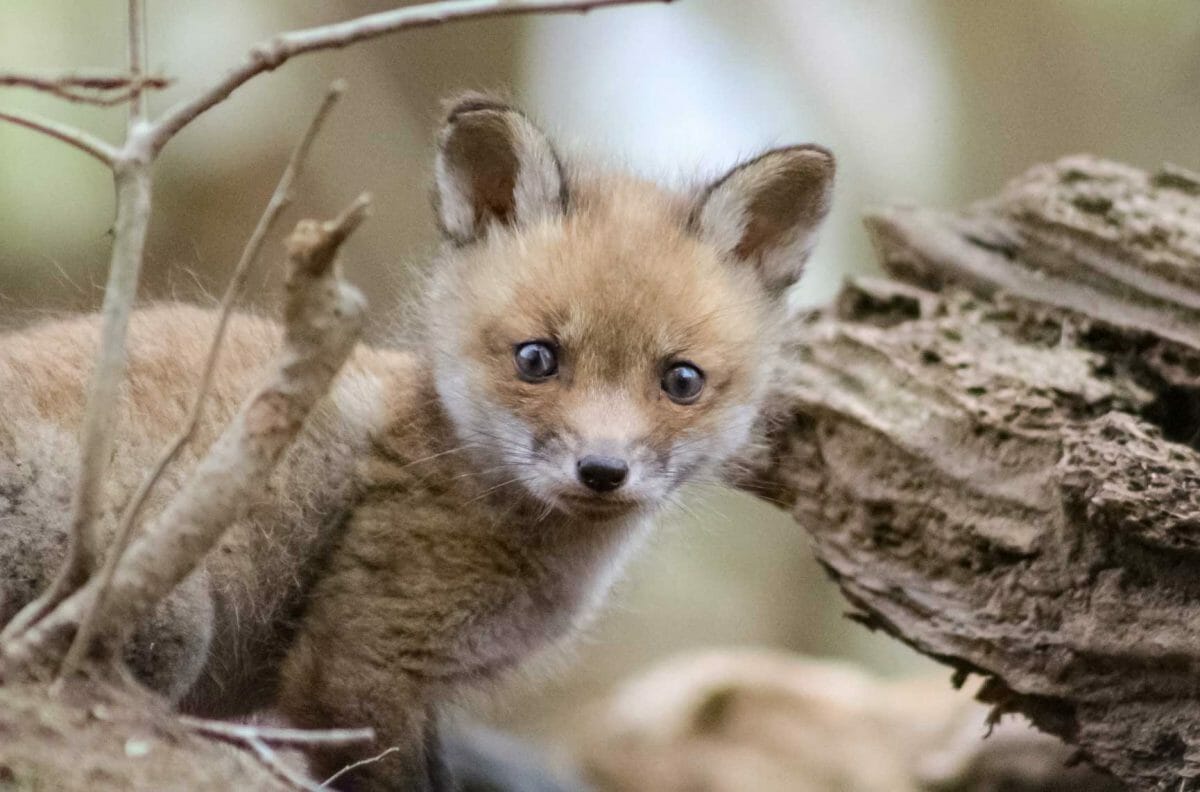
pixel 996 453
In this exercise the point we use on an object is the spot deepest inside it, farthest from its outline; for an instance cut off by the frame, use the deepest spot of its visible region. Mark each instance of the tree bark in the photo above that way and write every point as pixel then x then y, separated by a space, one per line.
pixel 996 453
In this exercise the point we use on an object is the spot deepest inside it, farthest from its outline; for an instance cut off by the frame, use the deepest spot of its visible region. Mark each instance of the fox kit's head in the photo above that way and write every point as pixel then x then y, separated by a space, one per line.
pixel 600 340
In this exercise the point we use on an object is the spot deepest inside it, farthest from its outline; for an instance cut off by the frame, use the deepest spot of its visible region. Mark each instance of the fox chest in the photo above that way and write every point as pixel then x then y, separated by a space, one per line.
pixel 476 606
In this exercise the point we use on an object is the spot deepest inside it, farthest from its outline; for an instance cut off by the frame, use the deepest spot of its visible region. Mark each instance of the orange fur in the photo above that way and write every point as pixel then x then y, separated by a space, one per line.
pixel 429 530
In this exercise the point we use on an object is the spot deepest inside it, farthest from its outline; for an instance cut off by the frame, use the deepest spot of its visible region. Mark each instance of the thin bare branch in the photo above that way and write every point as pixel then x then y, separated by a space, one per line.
pixel 137 60
pixel 360 763
pixel 280 200
pixel 131 169
pixel 87 81
pixel 272 54
pixel 84 141
pixel 261 738
pixel 322 320
pixel 95 444
pixel 281 768
pixel 277 736
pixel 129 233
pixel 104 90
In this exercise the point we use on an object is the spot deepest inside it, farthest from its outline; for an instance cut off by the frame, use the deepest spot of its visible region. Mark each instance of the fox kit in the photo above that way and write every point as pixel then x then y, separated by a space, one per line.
pixel 590 343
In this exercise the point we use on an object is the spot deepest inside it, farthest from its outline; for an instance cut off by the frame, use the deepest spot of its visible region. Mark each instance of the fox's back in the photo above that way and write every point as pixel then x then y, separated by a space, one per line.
pixel 256 575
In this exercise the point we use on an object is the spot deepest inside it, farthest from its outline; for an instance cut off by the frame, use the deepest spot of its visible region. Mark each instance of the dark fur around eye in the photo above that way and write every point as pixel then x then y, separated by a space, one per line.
pixel 535 360
pixel 683 382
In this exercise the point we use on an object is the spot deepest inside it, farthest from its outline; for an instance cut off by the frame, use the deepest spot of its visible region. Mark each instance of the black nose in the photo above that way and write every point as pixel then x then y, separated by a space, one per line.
pixel 602 474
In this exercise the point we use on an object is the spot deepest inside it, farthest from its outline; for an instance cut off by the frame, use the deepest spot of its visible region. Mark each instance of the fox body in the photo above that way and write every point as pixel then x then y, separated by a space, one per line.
pixel 462 501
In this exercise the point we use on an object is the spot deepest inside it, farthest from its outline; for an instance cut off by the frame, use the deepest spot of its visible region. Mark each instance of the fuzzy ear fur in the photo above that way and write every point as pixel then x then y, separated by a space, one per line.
pixel 493 166
pixel 766 211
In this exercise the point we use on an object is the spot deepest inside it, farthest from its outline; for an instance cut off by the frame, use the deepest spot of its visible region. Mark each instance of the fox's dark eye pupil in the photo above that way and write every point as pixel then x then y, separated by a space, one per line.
pixel 536 360
pixel 683 382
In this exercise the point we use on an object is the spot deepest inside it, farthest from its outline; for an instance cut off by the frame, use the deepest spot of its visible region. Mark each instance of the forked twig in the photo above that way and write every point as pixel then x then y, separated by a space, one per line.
pixel 134 186
pixel 280 199
pixel 260 739
pixel 322 320
pixel 54 617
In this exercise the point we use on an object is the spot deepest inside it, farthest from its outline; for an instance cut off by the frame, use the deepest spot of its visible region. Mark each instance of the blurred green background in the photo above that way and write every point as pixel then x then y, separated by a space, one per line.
pixel 929 102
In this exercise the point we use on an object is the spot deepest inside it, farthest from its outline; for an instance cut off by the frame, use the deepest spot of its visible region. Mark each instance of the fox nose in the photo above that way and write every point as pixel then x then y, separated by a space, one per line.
pixel 601 473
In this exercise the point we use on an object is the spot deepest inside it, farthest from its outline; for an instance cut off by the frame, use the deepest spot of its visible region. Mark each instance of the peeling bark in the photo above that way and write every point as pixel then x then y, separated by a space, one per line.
pixel 997 453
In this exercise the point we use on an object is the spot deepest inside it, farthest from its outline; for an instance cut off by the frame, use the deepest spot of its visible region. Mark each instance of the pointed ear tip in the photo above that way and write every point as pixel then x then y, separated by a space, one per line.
pixel 458 105
pixel 813 154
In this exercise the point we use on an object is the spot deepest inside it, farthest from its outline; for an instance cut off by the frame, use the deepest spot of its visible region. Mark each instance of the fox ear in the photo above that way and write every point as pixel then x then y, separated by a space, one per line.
pixel 766 212
pixel 493 166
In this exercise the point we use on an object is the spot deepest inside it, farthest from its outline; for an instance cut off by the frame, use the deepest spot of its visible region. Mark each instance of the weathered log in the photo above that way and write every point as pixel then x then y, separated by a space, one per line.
pixel 996 453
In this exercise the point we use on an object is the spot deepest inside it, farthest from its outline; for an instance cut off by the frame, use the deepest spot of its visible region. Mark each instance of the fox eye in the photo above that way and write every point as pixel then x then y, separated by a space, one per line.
pixel 682 382
pixel 536 360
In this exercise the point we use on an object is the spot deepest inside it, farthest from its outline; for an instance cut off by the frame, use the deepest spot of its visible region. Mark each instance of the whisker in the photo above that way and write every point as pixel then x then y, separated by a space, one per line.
pixel 438 455
pixel 489 490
